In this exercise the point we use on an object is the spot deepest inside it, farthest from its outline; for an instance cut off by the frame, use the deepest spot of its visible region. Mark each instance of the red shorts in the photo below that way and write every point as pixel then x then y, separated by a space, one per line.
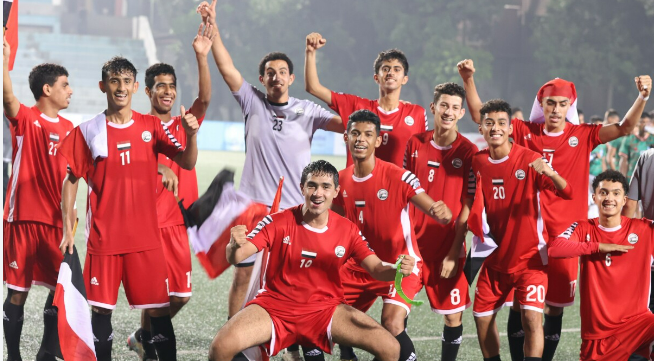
pixel 306 325
pixel 494 289
pixel 31 254
pixel 143 275
pixel 446 295
pixel 562 281
pixel 361 290
pixel 174 242
pixel 635 336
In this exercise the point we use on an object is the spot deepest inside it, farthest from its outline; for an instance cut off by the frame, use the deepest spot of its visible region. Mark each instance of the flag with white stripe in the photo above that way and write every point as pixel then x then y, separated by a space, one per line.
pixel 74 319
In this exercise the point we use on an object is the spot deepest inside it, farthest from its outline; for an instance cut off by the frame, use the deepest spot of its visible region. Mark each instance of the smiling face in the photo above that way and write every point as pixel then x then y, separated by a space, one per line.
pixel 319 191
pixel 119 88
pixel 163 93
pixel 496 129
pixel 609 197
pixel 391 75
pixel 276 79
pixel 362 139
pixel 447 111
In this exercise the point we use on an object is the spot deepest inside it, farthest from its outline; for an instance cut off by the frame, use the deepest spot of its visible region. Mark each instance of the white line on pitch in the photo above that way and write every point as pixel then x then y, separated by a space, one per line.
pixel 432 338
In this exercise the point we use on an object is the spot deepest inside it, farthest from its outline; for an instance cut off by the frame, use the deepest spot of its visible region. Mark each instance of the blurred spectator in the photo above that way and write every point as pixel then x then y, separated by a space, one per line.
pixel 634 145
pixel 597 166
pixel 516 113
pixel 612 158
pixel 580 113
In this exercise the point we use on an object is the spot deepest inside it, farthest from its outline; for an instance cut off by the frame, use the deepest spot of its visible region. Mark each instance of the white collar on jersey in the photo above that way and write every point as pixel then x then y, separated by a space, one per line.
pixel 363 179
pixel 51 120
pixel 440 147
pixel 381 110
pixel 498 161
pixel 553 134
pixel 94 132
pixel 315 230
pixel 616 228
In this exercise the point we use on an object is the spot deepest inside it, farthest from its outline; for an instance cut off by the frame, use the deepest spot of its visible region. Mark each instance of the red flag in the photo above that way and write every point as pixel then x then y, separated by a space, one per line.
pixel 10 23
pixel 74 320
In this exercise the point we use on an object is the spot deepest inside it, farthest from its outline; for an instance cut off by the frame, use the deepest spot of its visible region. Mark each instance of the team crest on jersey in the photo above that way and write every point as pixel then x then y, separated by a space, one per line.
pixel 409 120
pixel 298 111
pixel 632 238
pixel 520 174
pixel 457 163
pixel 146 136
pixel 339 251
pixel 573 141
pixel 382 194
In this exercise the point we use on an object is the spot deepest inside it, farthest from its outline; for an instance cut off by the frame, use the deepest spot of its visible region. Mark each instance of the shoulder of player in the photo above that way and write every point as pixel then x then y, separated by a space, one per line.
pixel 466 145
pixel 414 108
pixel 421 138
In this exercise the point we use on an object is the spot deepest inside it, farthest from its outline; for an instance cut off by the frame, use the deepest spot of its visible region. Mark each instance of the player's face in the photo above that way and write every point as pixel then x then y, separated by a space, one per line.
pixel 496 129
pixel 610 198
pixel 163 93
pixel 447 111
pixel 391 75
pixel 119 89
pixel 277 78
pixel 60 92
pixel 362 139
pixel 555 108
pixel 319 192
pixel 642 123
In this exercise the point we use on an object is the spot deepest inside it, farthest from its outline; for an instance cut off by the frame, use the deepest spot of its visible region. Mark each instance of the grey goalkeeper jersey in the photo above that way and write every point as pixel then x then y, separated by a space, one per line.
pixel 642 183
pixel 277 143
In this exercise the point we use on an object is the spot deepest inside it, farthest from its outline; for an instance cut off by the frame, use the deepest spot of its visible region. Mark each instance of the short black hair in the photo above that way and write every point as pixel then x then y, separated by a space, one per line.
pixel 579 111
pixel 320 167
pixel 392 54
pixel 515 110
pixel 496 105
pixel 158 69
pixel 596 118
pixel 365 116
pixel 452 89
pixel 43 74
pixel 646 115
pixel 275 56
pixel 612 113
pixel 611 176
pixel 117 65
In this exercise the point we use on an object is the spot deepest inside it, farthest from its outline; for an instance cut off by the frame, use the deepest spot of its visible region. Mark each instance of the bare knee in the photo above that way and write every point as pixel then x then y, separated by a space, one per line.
pixel 393 323
pixel 176 303
pixel 532 321
pixel 553 310
pixel 453 320
pixel 391 352
pixel 18 298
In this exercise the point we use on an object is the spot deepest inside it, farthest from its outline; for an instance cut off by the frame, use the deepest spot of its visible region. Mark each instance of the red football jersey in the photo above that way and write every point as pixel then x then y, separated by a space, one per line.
pixel 614 287
pixel 397 126
pixel 377 204
pixel 304 262
pixel 511 193
pixel 446 174
pixel 38 172
pixel 168 211
pixel 569 153
pixel 121 208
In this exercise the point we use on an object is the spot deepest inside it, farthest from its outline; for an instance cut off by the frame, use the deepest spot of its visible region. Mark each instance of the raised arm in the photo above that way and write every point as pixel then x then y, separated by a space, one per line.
pixel 230 74
pixel 312 84
pixel 383 271
pixel 189 156
pixel 68 196
pixel 239 247
pixel 436 210
pixel 9 100
pixel 466 69
pixel 202 44
pixel 627 125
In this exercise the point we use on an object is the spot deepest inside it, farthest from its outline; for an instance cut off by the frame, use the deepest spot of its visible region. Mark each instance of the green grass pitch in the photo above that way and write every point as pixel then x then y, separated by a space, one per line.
pixel 197 323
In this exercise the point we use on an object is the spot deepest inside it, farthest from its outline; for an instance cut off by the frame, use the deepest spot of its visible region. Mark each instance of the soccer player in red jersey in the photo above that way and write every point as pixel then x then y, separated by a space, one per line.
pixel 567 148
pixel 510 181
pixel 161 89
pixel 399 120
pixel 116 152
pixel 375 196
pixel 616 253
pixel 303 298
pixel 32 225
pixel 442 158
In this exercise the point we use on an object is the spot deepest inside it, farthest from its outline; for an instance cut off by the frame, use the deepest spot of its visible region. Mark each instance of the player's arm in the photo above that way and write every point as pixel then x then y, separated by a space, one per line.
pixel 312 84
pixel 450 264
pixel 466 69
pixel 561 185
pixel 201 45
pixel 239 246
pixel 189 156
pixel 384 271
pixel 335 125
pixel 168 178
pixel 9 100
pixel 562 247
pixel 437 210
pixel 68 196
pixel 224 62
pixel 613 131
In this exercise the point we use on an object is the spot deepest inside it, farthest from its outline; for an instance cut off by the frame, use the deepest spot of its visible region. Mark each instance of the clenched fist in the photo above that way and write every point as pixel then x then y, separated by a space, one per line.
pixel 644 85
pixel 238 236
pixel 315 41
pixel 189 122
pixel 441 212
pixel 541 166
pixel 407 264
pixel 466 68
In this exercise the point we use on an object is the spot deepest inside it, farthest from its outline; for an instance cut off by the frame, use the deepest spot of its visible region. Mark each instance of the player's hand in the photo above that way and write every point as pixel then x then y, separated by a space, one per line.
pixel 189 122
pixel 6 50
pixel 315 41
pixel 644 85
pixel 466 68
pixel 407 265
pixel 441 212
pixel 169 179
pixel 449 267
pixel 203 40
pixel 208 12
pixel 238 236
pixel 67 243
pixel 541 166
pixel 610 247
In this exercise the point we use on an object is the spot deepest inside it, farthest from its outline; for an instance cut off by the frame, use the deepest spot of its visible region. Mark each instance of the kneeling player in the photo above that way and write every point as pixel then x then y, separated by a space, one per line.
pixel 303 298
pixel 509 181
pixel 616 256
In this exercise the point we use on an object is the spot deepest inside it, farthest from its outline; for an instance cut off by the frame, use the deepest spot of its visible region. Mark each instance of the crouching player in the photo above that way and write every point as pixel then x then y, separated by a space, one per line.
pixel 303 298
pixel 616 254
